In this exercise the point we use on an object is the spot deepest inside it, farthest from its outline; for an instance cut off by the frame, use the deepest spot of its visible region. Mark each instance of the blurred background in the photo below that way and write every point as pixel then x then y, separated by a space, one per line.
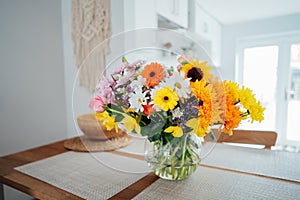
pixel 256 43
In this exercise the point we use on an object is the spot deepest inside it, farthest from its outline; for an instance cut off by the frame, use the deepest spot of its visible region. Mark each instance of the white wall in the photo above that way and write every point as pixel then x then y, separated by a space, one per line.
pixel 231 33
pixel 32 93
pixel 124 16
pixel 81 95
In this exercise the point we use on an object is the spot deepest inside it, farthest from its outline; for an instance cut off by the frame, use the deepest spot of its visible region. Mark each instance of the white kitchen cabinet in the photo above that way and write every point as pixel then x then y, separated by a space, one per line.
pixel 175 11
pixel 207 29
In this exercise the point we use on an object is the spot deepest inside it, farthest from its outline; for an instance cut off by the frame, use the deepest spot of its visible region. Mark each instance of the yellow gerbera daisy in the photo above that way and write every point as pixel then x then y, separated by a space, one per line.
pixel 175 130
pixel 107 120
pixel 197 71
pixel 165 99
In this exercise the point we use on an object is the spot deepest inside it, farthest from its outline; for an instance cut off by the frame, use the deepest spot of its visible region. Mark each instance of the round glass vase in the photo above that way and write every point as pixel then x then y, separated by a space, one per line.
pixel 175 160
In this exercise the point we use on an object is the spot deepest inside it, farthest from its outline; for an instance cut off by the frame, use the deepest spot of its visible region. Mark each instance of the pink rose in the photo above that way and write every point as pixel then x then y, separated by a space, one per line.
pixel 97 103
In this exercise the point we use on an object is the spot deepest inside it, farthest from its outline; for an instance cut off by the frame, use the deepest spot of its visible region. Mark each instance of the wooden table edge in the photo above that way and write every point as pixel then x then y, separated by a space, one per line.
pixel 56 148
pixel 8 175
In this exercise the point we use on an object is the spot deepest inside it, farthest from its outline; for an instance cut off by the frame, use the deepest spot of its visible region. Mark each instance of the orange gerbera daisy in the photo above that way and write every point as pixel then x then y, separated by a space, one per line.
pixel 153 73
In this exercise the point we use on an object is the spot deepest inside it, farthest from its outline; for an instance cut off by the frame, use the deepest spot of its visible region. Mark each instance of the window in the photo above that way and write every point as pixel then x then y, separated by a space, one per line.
pixel 271 67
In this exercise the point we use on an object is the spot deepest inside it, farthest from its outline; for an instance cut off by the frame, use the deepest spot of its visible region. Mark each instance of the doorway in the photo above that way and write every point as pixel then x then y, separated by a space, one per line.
pixel 270 65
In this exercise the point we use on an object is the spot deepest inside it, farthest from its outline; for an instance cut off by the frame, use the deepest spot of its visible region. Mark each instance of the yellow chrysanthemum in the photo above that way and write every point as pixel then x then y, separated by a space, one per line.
pixel 107 120
pixel 232 118
pixel 175 130
pixel 232 89
pixel 233 115
pixel 165 99
pixel 131 124
pixel 210 109
pixel 218 95
pixel 247 99
pixel 257 112
pixel 197 71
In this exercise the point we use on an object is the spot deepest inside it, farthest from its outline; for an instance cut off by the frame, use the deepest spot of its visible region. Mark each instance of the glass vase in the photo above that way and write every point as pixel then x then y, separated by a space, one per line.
pixel 174 160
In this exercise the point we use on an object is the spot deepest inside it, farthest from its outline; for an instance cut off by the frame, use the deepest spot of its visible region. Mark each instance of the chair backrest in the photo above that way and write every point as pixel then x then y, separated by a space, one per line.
pixel 267 138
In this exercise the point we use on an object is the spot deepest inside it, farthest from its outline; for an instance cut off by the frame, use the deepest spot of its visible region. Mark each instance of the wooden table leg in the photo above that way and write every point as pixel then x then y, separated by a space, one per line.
pixel 1 192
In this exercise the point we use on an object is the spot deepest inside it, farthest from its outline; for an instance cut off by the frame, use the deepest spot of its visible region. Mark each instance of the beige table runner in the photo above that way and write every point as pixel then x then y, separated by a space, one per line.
pixel 208 183
pixel 83 174
pixel 277 164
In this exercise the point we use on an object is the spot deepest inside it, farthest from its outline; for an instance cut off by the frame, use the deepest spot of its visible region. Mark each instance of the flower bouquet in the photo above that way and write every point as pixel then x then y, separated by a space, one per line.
pixel 175 107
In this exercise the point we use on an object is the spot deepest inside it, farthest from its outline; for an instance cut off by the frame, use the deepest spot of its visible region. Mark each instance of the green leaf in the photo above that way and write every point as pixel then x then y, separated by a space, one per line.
pixel 115 107
pixel 124 59
pixel 212 136
pixel 144 120
pixel 184 62
pixel 118 117
pixel 154 138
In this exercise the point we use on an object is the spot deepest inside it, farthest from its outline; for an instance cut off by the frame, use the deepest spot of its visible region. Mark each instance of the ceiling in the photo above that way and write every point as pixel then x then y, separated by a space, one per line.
pixel 237 11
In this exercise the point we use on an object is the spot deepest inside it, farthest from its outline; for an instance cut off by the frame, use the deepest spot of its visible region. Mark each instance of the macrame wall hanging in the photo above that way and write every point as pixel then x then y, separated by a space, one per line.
pixel 90 26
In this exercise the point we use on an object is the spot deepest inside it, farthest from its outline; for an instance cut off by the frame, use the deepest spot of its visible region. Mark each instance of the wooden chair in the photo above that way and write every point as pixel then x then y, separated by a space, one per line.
pixel 267 138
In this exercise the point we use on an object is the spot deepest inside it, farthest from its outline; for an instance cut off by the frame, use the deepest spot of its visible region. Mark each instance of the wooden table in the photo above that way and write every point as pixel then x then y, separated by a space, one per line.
pixel 41 190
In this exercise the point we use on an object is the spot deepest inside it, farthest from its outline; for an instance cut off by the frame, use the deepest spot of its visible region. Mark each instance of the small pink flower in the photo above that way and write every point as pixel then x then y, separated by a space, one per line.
pixel 136 64
pixel 97 103
pixel 121 69
pixel 105 89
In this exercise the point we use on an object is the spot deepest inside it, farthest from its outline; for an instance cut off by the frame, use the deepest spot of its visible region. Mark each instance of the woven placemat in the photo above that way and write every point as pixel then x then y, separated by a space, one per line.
pixel 277 164
pixel 85 144
pixel 83 174
pixel 214 184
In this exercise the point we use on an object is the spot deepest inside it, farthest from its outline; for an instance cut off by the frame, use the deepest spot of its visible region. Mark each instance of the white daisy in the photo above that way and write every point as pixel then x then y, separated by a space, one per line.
pixel 179 84
pixel 176 113
pixel 138 83
pixel 138 99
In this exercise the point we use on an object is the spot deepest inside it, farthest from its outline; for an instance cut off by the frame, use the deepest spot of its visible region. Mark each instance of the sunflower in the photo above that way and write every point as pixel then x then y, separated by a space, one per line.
pixel 153 73
pixel 197 71
pixel 165 99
